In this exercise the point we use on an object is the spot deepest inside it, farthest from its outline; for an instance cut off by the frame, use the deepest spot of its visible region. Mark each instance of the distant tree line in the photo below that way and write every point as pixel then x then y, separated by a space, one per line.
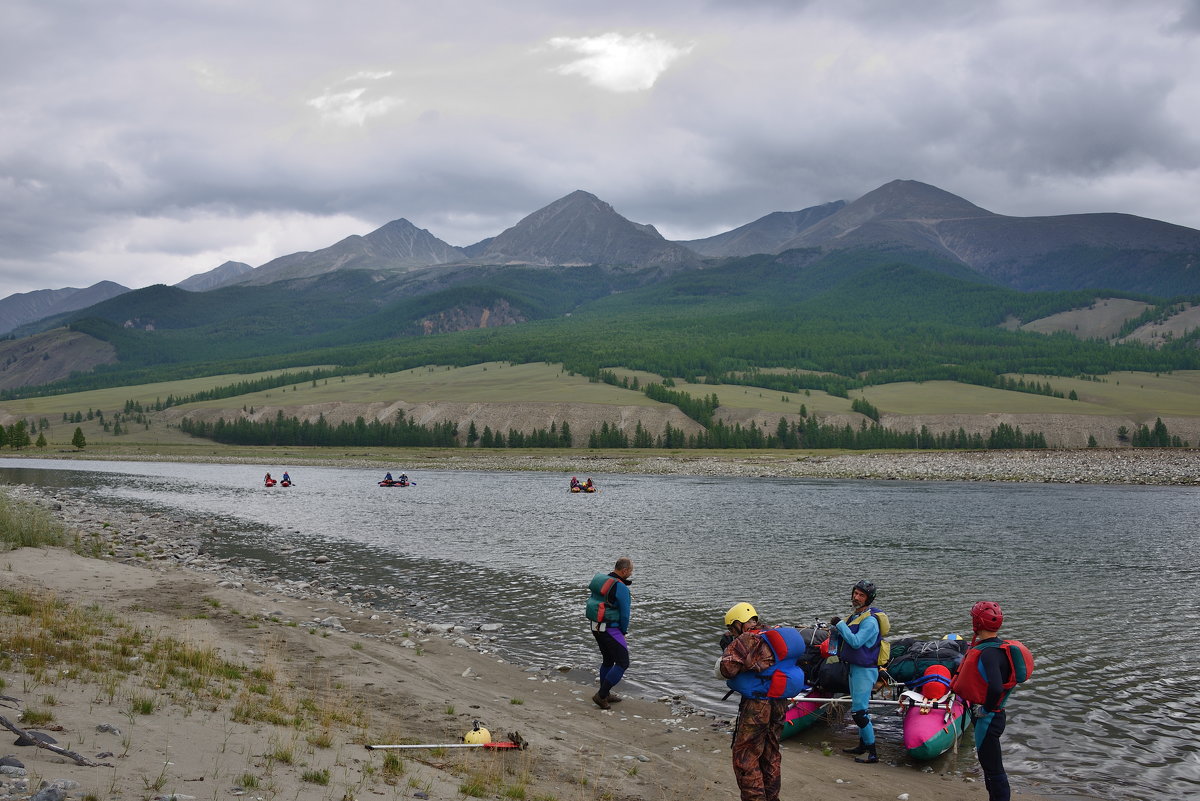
pixel 1147 437
pixel 281 430
pixel 233 390
pixel 1157 313
pixel 553 437
pixel 808 433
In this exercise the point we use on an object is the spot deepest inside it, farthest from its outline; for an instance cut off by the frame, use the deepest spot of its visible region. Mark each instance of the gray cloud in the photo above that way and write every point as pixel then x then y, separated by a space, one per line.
pixel 146 142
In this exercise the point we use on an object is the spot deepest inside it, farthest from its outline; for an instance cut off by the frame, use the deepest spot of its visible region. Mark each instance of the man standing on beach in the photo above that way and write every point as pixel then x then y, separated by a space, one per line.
pixel 756 758
pixel 608 613
pixel 985 678
pixel 861 639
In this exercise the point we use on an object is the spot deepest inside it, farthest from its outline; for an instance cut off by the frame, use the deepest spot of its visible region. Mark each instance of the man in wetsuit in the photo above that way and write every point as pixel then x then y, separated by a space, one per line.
pixel 608 612
pixel 860 642
pixel 985 672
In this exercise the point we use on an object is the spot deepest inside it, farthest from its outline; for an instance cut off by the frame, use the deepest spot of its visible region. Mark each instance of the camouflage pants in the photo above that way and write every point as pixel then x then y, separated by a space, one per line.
pixel 756 748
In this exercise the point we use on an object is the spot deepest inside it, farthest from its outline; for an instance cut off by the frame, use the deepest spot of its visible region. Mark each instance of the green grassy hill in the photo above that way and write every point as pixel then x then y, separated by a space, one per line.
pixel 525 391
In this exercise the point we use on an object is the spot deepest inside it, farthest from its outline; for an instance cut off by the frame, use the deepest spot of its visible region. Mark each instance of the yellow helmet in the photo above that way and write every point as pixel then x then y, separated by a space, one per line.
pixel 478 735
pixel 739 612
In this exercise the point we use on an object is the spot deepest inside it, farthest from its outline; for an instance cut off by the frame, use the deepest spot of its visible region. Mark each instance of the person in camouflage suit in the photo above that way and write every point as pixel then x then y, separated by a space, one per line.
pixel 756 758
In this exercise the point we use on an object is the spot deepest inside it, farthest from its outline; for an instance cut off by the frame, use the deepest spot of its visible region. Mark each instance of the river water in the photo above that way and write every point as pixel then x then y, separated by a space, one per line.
pixel 1099 581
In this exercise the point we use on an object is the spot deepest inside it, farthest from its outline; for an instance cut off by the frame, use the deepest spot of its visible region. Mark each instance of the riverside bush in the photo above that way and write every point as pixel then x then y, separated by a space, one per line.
pixel 24 525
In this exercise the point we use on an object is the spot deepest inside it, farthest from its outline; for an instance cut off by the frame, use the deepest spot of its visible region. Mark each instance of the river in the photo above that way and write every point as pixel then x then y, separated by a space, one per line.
pixel 1097 580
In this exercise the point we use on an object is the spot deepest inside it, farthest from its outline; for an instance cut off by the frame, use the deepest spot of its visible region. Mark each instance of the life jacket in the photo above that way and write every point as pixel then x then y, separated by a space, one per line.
pixel 933 684
pixel 971 682
pixel 783 679
pixel 601 606
pixel 872 655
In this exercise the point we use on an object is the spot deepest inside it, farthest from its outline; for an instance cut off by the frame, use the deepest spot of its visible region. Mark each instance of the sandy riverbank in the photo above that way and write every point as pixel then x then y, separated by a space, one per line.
pixel 320 678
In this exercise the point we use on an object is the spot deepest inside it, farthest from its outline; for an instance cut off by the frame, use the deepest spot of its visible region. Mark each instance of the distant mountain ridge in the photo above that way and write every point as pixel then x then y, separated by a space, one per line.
pixel 1075 251
pixel 1111 251
pixel 398 246
pixel 769 234
pixel 218 276
pixel 579 230
pixel 26 307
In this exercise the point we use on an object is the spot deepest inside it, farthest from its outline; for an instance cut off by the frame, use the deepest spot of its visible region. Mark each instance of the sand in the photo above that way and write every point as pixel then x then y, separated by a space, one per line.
pixel 424 689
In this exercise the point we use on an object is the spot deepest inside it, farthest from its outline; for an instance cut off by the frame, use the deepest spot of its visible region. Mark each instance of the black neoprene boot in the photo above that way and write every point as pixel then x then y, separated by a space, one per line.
pixel 860 749
pixel 870 756
pixel 997 787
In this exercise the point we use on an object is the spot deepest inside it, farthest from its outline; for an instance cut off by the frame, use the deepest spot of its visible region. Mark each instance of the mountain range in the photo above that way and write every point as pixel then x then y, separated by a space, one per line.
pixel 1075 251
pixel 578 256
pixel 27 307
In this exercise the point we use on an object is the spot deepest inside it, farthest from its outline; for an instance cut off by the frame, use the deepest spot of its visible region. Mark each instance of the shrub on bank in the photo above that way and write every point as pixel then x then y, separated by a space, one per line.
pixel 24 525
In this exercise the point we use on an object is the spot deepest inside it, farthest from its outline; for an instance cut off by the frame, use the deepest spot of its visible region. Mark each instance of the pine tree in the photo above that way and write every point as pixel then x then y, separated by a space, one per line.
pixel 78 440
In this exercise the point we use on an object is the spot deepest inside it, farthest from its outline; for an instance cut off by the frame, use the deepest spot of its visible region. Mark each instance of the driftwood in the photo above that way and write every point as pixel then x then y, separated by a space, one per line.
pixel 79 759
pixel 9 701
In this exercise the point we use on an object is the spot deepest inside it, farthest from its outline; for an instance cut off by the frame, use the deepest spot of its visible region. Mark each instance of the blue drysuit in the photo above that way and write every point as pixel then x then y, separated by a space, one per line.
pixel 862 678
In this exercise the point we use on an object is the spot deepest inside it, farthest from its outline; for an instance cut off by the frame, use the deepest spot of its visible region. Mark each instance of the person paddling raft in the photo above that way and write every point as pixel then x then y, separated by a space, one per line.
pixel 268 481
pixel 388 481
pixel 285 480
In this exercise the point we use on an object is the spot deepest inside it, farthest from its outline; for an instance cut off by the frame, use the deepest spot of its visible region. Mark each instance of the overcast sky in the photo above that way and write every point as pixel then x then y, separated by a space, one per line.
pixel 143 142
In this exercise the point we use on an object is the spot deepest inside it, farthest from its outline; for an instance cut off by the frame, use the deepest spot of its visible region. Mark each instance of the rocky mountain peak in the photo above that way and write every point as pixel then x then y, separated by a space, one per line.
pixel 581 229
pixel 227 273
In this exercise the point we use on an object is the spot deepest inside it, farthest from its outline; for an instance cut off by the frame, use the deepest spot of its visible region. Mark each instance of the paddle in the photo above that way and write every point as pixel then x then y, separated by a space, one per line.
pixel 493 746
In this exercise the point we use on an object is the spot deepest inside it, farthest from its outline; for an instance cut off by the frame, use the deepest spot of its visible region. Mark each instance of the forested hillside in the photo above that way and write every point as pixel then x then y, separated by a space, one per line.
pixel 865 317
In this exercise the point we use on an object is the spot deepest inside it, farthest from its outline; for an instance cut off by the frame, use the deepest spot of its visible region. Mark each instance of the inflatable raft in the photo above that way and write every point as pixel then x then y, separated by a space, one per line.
pixel 933 718
pixel 932 727
pixel 802 715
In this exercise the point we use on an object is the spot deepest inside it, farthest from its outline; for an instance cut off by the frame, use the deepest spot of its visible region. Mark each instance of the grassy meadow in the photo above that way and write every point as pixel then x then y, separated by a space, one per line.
pixel 493 382
pixel 1141 396
pixel 1137 395
pixel 112 399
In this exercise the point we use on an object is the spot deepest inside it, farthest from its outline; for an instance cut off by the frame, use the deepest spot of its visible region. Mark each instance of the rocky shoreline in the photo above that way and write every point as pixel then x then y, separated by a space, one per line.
pixel 1094 466
pixel 156 540
pixel 1142 466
